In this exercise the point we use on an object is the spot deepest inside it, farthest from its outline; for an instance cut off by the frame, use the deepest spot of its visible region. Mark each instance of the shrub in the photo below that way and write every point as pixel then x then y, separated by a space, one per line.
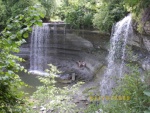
pixel 78 14
pixel 134 85
pixel 18 28
pixel 108 14
pixel 54 98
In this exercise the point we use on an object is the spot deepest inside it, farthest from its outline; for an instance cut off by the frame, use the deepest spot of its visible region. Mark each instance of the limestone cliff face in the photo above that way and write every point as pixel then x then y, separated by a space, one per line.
pixel 141 42
pixel 146 28
pixel 66 47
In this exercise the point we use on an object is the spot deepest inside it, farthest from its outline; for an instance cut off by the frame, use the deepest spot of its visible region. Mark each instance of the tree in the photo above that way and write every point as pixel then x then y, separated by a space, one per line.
pixel 109 13
pixel 49 6
pixel 11 8
pixel 78 13
pixel 18 28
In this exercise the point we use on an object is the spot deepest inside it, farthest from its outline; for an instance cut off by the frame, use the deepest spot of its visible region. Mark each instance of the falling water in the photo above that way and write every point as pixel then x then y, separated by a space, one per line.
pixel 38 49
pixel 55 39
pixel 128 31
pixel 118 42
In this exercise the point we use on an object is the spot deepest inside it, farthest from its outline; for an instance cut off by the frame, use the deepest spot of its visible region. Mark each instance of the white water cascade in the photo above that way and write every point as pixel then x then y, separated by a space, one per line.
pixel 122 31
pixel 38 49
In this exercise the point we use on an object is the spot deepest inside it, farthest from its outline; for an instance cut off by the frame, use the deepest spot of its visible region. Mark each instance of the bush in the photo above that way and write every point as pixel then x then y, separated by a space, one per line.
pixel 2 15
pixel 108 14
pixel 18 28
pixel 133 85
pixel 58 100
pixel 78 15
pixel 132 93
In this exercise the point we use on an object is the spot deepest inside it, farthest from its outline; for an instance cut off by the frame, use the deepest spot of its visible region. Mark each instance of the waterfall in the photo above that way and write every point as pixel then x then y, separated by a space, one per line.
pixel 39 48
pixel 122 31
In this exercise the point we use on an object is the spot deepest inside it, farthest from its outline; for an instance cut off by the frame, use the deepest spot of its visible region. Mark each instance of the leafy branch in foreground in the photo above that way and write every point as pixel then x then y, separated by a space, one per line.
pixel 18 28
pixel 53 98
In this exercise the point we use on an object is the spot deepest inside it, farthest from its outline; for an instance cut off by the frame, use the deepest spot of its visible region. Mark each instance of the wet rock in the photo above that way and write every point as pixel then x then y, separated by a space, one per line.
pixel 34 107
pixel 146 41
pixel 66 78
pixel 43 109
pixel 73 76
pixel 79 42
pixel 147 27
pixel 64 50
pixel 146 65
pixel 82 98
pixel 91 47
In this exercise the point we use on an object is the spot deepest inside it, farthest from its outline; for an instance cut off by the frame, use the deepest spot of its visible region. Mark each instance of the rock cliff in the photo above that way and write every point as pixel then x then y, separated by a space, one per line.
pixel 69 47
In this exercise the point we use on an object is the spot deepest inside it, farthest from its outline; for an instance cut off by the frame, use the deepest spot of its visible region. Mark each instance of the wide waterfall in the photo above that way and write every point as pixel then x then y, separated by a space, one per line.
pixel 39 48
pixel 122 31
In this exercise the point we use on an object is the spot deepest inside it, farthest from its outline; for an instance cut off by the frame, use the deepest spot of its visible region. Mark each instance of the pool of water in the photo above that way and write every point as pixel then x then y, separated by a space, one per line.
pixel 32 82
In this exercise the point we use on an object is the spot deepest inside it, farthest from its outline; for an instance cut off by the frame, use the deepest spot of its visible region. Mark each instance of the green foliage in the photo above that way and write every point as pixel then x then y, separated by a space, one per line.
pixel 2 14
pixel 78 14
pixel 11 99
pixel 17 7
pixel 75 16
pixel 12 8
pixel 108 14
pixel 54 98
pixel 147 93
pixel 140 10
pixel 93 107
pixel 131 85
pixel 137 5
pixel 49 6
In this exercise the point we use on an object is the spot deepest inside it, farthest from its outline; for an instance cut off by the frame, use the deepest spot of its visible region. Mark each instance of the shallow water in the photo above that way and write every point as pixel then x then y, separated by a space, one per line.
pixel 33 82
pixel 30 80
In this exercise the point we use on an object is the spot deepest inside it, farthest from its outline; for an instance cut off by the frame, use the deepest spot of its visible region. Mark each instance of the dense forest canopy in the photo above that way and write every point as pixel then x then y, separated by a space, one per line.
pixel 100 14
